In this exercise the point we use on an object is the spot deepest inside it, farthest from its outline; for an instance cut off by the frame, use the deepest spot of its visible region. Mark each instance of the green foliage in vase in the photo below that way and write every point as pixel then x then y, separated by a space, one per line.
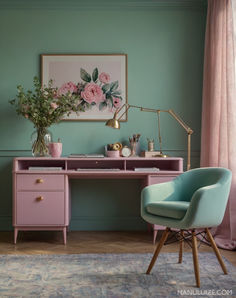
pixel 45 105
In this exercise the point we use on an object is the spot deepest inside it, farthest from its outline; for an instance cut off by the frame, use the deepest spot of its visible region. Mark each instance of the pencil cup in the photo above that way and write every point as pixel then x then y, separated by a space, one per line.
pixel 55 149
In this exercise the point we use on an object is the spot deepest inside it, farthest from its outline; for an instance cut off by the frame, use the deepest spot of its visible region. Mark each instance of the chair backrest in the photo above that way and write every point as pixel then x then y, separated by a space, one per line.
pixel 192 180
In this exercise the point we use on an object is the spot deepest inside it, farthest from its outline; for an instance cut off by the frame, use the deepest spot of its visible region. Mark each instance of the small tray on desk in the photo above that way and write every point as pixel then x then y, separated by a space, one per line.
pixel 153 169
pixel 86 156
pixel 45 168
pixel 97 170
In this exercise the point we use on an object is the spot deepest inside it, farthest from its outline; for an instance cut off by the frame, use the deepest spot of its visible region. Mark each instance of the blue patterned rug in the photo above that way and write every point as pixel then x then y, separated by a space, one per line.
pixel 112 275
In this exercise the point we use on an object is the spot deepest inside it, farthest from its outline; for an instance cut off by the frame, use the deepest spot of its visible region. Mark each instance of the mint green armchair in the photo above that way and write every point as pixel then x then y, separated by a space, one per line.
pixel 194 200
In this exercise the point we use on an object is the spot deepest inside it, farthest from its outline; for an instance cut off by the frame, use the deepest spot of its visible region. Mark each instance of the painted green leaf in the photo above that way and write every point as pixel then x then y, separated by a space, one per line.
pixel 116 93
pixel 105 88
pixel 114 85
pixel 119 97
pixel 84 75
pixel 110 103
pixel 95 74
pixel 102 106
pixel 88 106
pixel 109 99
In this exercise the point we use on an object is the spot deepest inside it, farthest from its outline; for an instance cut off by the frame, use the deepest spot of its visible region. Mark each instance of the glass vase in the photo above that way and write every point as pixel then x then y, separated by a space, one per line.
pixel 40 140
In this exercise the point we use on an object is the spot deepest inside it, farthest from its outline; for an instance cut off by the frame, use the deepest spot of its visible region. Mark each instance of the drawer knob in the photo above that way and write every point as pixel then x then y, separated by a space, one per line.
pixel 40 180
pixel 40 198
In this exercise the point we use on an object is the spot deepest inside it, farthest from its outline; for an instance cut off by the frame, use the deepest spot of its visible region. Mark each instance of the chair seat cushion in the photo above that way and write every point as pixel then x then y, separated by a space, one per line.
pixel 171 209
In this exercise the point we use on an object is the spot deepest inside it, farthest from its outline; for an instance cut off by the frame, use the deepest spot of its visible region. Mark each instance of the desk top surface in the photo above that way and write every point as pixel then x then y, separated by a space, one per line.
pixel 98 158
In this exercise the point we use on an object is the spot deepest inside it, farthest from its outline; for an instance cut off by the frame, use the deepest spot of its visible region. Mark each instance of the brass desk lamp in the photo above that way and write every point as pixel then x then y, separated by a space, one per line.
pixel 115 123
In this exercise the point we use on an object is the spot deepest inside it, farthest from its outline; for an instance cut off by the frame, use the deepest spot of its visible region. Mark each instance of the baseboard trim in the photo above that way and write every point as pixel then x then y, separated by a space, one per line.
pixel 107 223
pixel 90 223
pixel 6 223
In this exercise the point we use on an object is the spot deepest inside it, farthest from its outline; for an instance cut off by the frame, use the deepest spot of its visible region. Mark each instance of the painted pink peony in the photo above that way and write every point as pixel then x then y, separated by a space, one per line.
pixel 53 105
pixel 67 87
pixel 104 77
pixel 116 102
pixel 92 93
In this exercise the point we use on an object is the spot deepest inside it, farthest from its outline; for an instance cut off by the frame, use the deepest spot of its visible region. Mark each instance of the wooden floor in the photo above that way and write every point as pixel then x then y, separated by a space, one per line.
pixel 91 242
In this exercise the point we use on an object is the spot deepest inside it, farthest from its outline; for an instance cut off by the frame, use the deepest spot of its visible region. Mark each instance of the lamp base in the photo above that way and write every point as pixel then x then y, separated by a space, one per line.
pixel 160 155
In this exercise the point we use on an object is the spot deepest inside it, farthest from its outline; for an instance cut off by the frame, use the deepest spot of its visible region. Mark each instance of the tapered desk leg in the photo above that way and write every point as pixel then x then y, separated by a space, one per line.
pixel 158 249
pixel 64 235
pixel 15 235
pixel 195 258
pixel 216 250
pixel 181 242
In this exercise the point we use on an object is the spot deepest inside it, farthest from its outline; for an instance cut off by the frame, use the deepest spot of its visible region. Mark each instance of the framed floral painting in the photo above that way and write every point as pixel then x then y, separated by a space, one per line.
pixel 99 81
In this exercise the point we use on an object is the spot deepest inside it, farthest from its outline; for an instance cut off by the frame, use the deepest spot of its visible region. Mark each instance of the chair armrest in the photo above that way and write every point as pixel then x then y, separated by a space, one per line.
pixel 207 206
pixel 157 192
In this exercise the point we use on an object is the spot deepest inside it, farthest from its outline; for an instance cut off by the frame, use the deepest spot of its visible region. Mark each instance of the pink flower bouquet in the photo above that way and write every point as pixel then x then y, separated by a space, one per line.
pixel 44 106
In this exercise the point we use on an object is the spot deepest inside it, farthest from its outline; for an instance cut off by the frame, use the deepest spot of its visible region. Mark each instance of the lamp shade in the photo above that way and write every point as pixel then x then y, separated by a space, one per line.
pixel 114 123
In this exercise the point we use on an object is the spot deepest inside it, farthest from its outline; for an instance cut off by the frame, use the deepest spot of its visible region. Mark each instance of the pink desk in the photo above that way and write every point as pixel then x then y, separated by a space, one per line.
pixel 41 199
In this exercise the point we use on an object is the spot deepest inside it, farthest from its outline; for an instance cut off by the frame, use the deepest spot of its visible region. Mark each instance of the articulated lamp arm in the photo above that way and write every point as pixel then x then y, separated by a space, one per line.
pixel 189 131
pixel 115 123
pixel 181 122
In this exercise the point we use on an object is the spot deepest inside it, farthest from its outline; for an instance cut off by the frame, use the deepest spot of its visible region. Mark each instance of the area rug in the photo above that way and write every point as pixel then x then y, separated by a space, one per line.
pixel 112 275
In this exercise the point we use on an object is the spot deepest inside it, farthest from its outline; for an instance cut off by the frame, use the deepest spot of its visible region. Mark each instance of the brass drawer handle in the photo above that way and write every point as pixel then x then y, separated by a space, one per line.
pixel 40 198
pixel 40 180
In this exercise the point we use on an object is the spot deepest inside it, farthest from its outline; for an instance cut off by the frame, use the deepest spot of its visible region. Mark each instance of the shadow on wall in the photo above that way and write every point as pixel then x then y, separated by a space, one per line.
pixel 6 193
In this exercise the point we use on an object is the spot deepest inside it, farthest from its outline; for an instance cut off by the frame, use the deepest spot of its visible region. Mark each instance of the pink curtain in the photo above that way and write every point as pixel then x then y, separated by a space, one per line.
pixel 218 143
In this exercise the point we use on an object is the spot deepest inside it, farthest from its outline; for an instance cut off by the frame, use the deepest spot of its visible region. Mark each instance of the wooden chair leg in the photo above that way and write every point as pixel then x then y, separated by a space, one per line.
pixel 181 242
pixel 216 250
pixel 158 249
pixel 195 258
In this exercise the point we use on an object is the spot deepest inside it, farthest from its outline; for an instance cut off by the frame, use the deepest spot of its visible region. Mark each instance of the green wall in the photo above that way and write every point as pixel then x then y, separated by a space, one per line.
pixel 165 46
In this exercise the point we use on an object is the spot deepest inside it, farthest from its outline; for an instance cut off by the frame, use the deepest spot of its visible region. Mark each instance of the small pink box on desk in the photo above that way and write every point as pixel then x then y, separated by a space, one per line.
pixel 114 154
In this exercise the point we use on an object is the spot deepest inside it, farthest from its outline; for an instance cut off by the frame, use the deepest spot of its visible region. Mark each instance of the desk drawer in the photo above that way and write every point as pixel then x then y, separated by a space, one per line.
pixel 40 208
pixel 39 182
pixel 159 179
